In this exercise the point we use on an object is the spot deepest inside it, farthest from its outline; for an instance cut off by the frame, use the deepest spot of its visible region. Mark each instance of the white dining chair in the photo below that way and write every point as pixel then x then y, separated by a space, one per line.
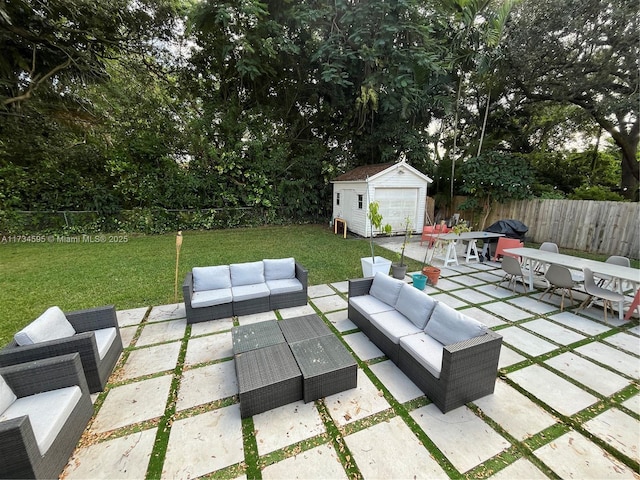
pixel 559 277
pixel 541 267
pixel 605 280
pixel 594 291
pixel 513 271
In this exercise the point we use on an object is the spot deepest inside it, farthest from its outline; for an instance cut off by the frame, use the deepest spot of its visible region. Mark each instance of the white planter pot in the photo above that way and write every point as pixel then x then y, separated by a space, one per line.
pixel 369 268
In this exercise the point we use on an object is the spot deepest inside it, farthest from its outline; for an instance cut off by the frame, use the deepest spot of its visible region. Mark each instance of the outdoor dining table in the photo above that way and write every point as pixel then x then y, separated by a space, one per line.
pixel 619 272
pixel 451 257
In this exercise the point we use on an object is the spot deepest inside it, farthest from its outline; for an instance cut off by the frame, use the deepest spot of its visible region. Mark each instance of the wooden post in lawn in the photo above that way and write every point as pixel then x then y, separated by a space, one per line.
pixel 178 245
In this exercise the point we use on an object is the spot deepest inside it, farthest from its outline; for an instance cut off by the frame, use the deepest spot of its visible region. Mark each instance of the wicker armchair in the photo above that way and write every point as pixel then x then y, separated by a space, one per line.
pixel 97 370
pixel 20 454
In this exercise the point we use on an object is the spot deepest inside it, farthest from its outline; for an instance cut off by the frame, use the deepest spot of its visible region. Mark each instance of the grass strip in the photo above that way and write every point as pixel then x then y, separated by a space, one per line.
pixel 156 462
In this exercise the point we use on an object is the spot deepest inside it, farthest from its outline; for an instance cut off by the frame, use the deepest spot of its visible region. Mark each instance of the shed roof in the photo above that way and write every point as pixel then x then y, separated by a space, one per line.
pixel 368 172
pixel 362 173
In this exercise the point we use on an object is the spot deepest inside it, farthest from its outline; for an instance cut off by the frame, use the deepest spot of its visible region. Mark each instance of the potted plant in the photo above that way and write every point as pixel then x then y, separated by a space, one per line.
pixel 399 270
pixel 373 264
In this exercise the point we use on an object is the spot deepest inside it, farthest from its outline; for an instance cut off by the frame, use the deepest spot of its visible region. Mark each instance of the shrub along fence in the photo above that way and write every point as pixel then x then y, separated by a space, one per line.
pixel 610 228
pixel 143 220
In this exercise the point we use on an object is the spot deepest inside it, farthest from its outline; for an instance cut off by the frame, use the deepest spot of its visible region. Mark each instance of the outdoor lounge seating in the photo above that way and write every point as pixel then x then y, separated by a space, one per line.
pixel 93 333
pixel 243 288
pixel 451 357
pixel 44 408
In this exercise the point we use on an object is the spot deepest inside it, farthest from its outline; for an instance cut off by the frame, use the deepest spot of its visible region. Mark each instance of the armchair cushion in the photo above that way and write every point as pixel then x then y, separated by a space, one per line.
pixel 449 326
pixel 279 269
pixel 415 305
pixel 208 298
pixel 425 350
pixel 7 397
pixel 248 273
pixel 386 288
pixel 249 292
pixel 394 325
pixel 47 412
pixel 285 285
pixel 51 325
pixel 104 340
pixel 211 278
pixel 369 305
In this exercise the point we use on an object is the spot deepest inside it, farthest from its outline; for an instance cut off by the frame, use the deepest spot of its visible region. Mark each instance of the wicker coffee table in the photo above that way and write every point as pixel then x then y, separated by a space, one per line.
pixel 327 366
pixel 256 335
pixel 303 328
pixel 279 362
pixel 268 377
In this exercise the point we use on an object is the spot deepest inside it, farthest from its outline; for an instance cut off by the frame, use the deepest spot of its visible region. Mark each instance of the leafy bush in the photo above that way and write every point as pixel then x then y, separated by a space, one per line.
pixel 595 192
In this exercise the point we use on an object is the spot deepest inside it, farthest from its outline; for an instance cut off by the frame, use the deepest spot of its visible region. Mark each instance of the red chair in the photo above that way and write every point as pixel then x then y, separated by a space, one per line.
pixel 635 304
pixel 431 232
pixel 504 243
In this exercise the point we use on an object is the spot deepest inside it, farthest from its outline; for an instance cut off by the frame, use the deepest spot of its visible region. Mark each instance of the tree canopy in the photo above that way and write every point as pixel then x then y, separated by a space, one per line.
pixel 172 104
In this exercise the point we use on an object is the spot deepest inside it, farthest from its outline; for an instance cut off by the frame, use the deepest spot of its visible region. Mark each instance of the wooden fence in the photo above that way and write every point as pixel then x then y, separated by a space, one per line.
pixel 611 228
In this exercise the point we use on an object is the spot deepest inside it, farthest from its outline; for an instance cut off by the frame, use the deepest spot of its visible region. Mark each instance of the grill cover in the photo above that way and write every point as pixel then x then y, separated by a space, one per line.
pixel 510 228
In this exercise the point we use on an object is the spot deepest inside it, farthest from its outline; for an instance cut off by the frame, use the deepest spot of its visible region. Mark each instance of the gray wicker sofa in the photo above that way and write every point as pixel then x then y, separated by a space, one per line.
pixel 45 406
pixel 93 333
pixel 451 357
pixel 243 288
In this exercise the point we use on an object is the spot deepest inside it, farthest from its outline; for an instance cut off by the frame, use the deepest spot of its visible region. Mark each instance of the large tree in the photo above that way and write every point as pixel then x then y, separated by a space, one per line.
pixel 49 45
pixel 586 54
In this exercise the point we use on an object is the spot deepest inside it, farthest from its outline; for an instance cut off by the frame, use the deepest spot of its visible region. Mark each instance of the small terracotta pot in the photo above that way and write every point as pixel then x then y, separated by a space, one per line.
pixel 432 273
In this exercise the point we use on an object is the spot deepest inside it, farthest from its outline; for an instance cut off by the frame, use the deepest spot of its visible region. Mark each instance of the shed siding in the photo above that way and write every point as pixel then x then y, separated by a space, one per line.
pixel 407 182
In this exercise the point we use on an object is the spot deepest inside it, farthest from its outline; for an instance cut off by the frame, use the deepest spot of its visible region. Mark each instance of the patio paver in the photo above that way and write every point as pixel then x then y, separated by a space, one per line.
pixel 390 450
pixel 573 456
pixel 208 442
pixel 463 437
pixel 205 435
pixel 553 390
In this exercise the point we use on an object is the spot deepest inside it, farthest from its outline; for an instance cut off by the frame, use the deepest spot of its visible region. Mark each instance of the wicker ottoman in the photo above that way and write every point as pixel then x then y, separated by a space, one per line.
pixel 268 377
pixel 256 335
pixel 327 366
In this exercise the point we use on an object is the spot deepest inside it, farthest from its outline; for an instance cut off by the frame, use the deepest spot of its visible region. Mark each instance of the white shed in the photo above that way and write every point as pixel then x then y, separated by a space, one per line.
pixel 399 189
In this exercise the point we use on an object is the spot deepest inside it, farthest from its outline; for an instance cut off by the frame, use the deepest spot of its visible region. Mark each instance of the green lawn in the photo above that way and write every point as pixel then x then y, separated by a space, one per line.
pixel 141 272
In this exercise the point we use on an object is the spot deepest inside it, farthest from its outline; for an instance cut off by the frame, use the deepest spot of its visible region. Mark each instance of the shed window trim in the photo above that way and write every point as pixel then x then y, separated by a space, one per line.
pixel 360 201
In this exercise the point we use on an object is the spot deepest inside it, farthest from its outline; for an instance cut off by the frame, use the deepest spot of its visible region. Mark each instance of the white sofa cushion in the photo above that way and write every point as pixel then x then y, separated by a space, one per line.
pixel 369 305
pixel 208 298
pixel 394 325
pixel 449 326
pixel 51 325
pixel 248 292
pixel 286 285
pixel 248 273
pixel 386 288
pixel 416 305
pixel 211 278
pixel 7 397
pixel 426 350
pixel 104 340
pixel 47 412
pixel 279 269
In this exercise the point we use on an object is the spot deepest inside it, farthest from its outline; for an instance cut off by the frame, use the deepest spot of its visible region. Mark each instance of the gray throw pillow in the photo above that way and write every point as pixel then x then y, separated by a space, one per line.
pixel 449 326
pixel 386 288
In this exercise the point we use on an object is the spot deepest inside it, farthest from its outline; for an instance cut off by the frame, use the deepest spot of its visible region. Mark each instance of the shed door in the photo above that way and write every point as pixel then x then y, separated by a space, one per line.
pixel 396 204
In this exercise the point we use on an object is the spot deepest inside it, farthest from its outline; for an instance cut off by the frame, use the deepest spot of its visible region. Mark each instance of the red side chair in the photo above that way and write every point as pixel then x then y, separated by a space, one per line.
pixel 635 304
pixel 504 243
pixel 431 232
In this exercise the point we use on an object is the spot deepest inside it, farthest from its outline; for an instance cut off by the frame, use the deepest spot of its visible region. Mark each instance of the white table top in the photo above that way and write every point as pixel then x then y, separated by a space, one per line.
pixel 469 235
pixel 624 273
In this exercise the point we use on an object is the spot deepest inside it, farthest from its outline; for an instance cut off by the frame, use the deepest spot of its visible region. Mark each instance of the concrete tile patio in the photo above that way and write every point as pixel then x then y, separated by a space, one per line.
pixel 566 403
